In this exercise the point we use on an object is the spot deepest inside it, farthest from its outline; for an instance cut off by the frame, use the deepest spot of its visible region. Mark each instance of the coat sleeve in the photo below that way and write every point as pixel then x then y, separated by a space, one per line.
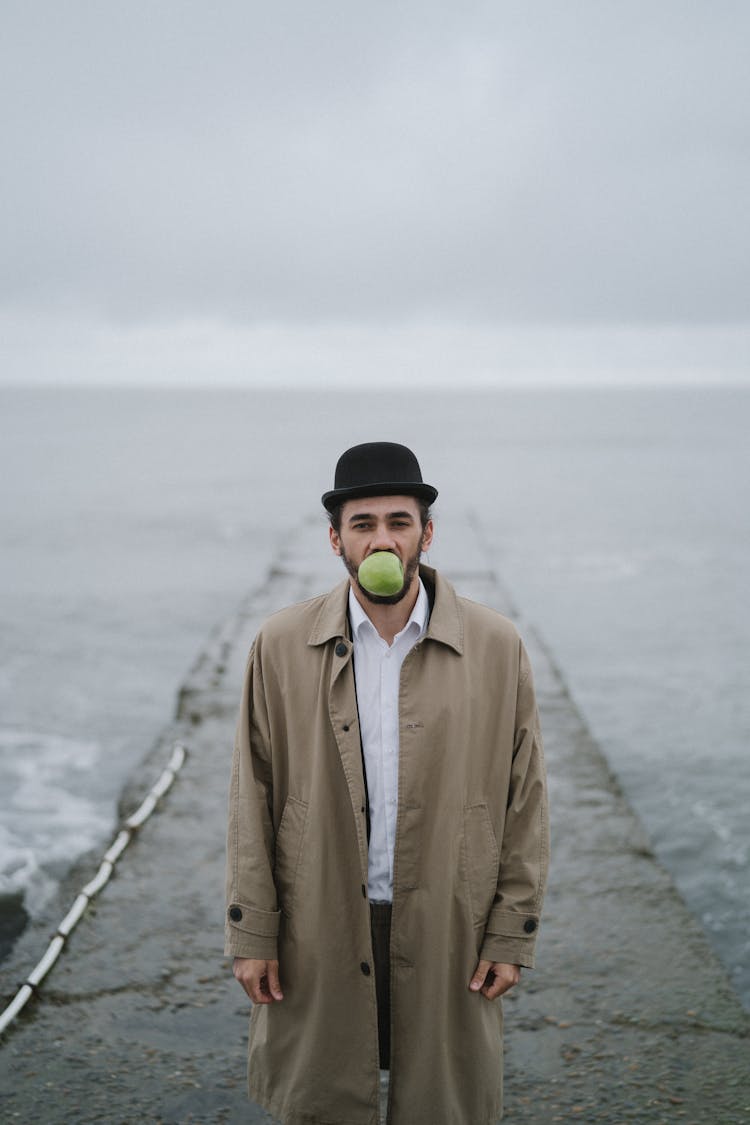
pixel 252 914
pixel 513 923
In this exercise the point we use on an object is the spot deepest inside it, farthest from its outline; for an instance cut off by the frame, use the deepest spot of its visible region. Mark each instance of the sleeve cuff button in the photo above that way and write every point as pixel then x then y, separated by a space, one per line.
pixel 529 925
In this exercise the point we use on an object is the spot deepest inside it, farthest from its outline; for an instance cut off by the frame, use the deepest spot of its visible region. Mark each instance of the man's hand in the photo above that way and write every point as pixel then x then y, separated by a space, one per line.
pixel 493 978
pixel 260 979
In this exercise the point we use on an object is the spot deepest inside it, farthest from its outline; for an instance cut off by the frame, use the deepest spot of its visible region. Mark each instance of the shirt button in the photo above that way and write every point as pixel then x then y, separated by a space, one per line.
pixel 365 968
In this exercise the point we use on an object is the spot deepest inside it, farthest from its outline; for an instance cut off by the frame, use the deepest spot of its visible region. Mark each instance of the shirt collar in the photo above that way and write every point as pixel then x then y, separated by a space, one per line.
pixel 418 616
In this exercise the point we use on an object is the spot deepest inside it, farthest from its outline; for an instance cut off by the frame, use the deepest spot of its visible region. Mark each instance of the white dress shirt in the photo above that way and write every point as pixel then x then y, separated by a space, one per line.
pixel 377 670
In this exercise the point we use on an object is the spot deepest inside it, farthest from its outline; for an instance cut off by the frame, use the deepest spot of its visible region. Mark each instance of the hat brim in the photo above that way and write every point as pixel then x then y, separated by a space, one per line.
pixel 339 495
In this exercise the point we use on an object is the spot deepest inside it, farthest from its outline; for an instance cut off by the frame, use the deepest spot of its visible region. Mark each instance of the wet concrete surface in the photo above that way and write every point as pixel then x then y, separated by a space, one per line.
pixel 628 1017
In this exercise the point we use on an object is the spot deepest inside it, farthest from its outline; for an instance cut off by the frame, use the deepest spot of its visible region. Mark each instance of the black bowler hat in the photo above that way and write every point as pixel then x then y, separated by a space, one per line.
pixel 377 468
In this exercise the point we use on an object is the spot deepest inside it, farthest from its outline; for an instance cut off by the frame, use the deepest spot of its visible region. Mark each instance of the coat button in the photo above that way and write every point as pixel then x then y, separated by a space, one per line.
pixel 364 891
pixel 365 968
pixel 235 914
pixel 529 925
pixel 345 726
pixel 341 649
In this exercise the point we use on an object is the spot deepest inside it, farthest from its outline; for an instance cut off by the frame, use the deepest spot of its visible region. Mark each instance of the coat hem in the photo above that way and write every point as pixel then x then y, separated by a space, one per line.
pixel 291 1116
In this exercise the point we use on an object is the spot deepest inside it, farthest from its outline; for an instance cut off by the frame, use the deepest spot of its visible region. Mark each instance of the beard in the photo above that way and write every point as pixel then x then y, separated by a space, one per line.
pixel 410 569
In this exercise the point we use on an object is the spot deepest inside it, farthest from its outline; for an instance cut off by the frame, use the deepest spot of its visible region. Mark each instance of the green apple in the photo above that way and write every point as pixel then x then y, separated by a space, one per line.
pixel 381 573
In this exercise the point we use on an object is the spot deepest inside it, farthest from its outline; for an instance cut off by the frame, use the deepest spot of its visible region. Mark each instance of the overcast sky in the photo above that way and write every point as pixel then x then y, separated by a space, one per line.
pixel 296 191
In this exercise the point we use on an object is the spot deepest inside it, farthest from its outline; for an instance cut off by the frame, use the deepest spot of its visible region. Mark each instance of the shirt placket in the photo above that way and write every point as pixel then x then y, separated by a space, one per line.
pixel 389 736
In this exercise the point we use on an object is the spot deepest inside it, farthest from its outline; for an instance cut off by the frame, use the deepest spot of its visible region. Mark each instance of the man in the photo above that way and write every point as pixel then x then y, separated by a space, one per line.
pixel 388 838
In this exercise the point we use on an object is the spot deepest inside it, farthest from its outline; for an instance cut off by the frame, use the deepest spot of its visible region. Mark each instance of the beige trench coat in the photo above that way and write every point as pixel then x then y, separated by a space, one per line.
pixel 469 868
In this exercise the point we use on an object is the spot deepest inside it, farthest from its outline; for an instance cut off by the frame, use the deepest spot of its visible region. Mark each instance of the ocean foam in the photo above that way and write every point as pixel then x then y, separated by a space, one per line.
pixel 48 821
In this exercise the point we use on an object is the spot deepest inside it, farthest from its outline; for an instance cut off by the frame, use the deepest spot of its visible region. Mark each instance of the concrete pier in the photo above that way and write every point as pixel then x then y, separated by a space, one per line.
pixel 628 1017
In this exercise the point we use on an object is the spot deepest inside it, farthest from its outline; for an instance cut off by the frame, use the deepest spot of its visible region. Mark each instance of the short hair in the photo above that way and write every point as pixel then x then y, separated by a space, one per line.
pixel 334 514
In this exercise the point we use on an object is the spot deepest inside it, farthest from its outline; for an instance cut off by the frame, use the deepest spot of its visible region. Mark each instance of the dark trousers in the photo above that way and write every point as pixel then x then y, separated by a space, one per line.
pixel 380 928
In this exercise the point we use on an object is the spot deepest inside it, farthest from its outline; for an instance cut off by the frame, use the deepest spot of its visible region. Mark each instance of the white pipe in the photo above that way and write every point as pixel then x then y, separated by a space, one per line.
pixel 99 880
pixel 77 910
pixel 40 971
pixel 177 760
pixel 119 846
pixel 142 813
pixel 74 915
pixel 163 784
pixel 24 993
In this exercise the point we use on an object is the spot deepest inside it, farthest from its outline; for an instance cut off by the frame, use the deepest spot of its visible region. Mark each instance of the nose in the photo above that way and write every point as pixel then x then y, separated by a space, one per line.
pixel 383 539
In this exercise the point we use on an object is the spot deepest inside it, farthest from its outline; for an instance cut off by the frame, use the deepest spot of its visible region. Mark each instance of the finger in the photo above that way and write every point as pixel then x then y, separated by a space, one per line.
pixel 252 987
pixel 480 975
pixel 242 979
pixel 274 987
pixel 494 987
pixel 500 982
pixel 246 986
pixel 253 981
pixel 258 990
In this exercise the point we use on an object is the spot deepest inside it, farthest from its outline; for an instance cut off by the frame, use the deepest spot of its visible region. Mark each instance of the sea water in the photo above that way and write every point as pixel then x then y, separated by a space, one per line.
pixel 134 520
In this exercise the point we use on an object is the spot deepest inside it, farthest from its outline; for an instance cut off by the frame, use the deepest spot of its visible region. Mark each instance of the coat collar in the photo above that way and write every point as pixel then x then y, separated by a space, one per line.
pixel 446 620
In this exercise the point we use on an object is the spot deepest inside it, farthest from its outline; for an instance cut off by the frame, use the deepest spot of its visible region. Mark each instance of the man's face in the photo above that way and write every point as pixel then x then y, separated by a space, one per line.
pixel 382 523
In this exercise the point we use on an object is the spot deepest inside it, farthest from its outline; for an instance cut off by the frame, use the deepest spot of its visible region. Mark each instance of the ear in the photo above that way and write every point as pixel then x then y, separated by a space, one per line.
pixel 335 540
pixel 427 535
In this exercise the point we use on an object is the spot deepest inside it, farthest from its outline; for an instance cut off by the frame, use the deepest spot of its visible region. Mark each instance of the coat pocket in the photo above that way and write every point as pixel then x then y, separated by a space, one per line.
pixel 482 861
pixel 289 840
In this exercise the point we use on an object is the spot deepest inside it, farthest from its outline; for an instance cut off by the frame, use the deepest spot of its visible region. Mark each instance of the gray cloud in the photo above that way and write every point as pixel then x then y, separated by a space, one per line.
pixel 483 162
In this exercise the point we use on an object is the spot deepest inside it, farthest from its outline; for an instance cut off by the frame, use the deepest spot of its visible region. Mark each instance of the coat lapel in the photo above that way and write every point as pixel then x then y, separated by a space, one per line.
pixel 331 629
